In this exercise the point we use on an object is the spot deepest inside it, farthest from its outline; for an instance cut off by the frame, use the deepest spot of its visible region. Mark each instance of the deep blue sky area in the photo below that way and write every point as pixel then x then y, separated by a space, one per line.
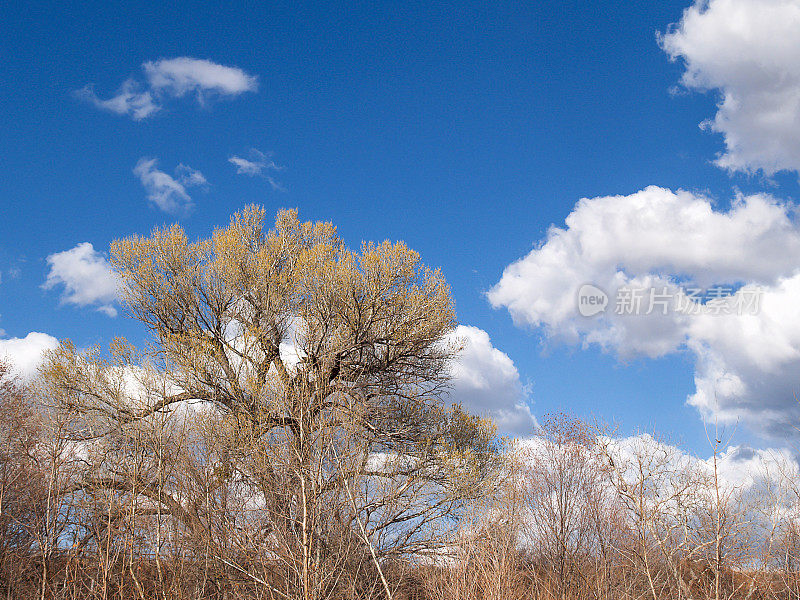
pixel 464 129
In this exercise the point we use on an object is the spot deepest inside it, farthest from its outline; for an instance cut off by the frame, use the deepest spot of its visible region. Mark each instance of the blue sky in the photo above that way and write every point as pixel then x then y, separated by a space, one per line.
pixel 466 130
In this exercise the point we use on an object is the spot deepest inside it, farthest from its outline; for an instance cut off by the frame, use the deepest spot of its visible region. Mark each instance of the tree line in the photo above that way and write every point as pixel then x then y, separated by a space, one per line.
pixel 285 432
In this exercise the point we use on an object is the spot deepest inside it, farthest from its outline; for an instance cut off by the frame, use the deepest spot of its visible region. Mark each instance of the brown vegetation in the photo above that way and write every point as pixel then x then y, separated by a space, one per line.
pixel 285 436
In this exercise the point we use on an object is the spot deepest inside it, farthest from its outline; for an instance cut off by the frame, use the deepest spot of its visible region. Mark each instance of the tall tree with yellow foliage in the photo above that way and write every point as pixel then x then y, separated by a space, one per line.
pixel 322 371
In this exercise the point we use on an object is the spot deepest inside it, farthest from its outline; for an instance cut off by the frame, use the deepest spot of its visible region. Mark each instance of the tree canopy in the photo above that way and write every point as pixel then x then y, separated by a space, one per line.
pixel 321 372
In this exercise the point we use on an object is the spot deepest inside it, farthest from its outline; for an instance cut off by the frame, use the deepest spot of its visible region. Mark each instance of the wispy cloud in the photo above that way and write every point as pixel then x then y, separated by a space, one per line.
pixel 257 164
pixel 189 176
pixel 87 278
pixel 130 100
pixel 165 191
pixel 172 78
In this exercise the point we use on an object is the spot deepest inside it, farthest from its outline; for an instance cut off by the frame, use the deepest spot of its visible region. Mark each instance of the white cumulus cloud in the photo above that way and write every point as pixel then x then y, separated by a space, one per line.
pixel 747 363
pixel 486 382
pixel 86 276
pixel 165 191
pixel 25 354
pixel 749 51
pixel 172 78
pixel 739 467
pixel 179 76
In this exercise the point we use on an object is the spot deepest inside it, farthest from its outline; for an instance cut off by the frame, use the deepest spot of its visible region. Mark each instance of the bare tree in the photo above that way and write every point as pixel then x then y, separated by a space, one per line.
pixel 325 368
pixel 659 491
pixel 23 484
pixel 561 494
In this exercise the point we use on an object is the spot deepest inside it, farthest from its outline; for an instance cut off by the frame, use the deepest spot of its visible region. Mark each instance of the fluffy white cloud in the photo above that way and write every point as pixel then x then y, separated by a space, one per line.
pixel 746 467
pixel 747 365
pixel 25 354
pixel 173 78
pixel 487 383
pixel 258 164
pixel 87 277
pixel 179 76
pixel 739 467
pixel 165 191
pixel 749 50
